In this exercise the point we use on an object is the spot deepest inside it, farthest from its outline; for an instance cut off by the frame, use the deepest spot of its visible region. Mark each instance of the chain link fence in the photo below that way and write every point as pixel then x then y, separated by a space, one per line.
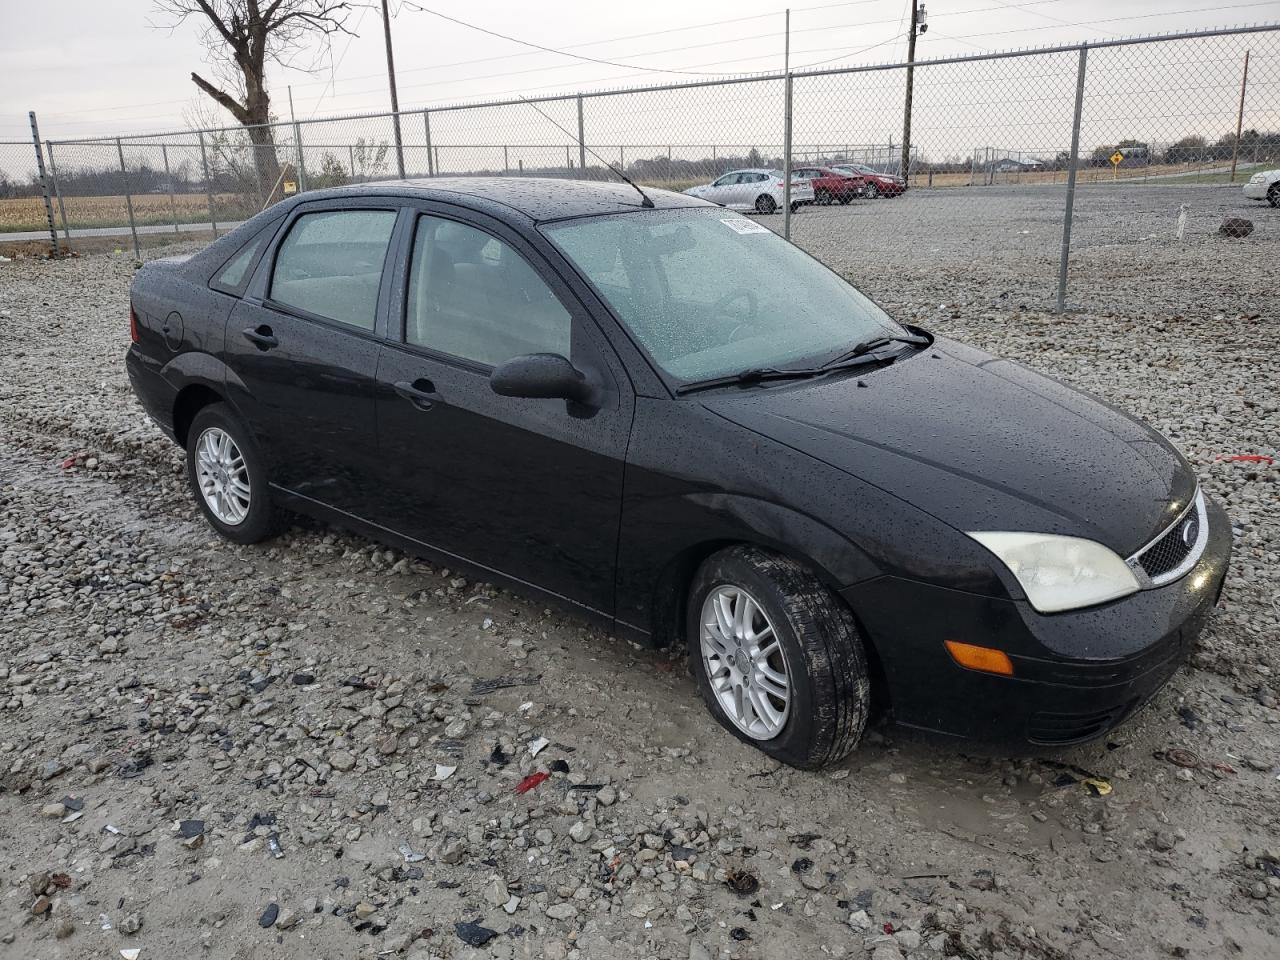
pixel 1035 162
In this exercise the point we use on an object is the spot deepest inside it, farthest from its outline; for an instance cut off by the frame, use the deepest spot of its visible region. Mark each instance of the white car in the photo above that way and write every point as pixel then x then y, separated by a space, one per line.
pixel 759 190
pixel 1264 186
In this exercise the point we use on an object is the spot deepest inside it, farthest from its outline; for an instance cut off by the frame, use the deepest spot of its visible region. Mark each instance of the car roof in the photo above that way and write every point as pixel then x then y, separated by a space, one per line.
pixel 534 199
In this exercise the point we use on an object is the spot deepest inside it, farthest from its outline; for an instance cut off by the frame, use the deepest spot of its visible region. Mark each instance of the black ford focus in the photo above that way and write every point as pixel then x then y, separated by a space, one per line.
pixel 686 428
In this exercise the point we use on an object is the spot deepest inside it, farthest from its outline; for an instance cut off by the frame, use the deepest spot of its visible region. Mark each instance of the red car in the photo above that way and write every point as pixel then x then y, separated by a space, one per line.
pixel 831 186
pixel 877 184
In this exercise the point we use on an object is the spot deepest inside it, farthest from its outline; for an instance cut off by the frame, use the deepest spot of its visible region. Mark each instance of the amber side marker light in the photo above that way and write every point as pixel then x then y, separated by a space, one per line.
pixel 983 659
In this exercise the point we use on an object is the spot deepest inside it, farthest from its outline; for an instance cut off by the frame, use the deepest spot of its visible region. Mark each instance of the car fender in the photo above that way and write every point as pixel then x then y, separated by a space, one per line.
pixel 681 530
pixel 197 368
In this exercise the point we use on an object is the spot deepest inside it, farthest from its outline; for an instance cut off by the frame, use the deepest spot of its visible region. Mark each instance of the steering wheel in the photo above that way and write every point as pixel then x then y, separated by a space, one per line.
pixel 753 309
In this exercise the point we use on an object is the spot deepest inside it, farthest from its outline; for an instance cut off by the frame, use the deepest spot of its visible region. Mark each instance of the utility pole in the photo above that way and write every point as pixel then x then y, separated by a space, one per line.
pixel 391 79
pixel 918 25
pixel 297 145
pixel 786 131
pixel 1244 84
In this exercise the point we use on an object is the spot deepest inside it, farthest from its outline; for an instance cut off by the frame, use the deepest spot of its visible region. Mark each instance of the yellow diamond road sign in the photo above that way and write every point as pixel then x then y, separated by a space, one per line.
pixel 1116 158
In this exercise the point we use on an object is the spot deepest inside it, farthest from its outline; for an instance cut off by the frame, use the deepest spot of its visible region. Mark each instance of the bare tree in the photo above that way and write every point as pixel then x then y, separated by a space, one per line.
pixel 242 37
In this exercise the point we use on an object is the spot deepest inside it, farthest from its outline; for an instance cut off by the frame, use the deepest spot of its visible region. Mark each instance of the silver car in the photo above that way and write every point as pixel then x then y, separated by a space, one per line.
pixel 760 190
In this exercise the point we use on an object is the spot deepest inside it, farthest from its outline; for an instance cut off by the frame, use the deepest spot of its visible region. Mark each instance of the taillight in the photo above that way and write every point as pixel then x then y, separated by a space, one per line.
pixel 133 324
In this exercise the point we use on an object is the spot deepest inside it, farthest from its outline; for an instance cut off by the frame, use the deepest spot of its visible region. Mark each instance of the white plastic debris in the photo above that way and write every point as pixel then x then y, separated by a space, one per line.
pixel 537 746
pixel 111 828
pixel 443 772
pixel 131 953
pixel 406 851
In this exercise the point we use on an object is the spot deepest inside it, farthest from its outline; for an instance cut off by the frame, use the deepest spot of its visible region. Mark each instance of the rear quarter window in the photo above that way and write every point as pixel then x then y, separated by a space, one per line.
pixel 233 276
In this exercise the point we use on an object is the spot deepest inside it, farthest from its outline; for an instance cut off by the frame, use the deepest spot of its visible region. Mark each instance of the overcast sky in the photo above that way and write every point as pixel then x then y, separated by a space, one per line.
pixel 97 67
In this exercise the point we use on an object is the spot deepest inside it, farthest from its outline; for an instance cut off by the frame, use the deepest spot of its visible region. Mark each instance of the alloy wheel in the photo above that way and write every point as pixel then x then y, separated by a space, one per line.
pixel 744 662
pixel 223 476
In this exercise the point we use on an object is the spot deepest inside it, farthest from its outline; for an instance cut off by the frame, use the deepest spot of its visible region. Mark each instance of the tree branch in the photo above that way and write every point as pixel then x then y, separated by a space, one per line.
pixel 232 105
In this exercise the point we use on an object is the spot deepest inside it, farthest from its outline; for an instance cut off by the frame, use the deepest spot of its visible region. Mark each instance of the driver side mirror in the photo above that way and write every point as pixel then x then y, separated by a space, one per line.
pixel 541 376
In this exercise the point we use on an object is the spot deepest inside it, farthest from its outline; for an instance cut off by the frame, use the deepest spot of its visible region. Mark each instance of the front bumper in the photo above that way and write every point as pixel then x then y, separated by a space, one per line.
pixel 1076 674
pixel 1256 191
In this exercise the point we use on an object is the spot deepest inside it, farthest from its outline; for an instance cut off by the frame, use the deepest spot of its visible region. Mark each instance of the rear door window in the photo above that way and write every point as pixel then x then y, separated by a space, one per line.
pixel 330 265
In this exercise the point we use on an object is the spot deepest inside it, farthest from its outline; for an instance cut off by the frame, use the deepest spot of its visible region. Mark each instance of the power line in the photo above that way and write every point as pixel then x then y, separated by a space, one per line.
pixel 538 46
pixel 1139 16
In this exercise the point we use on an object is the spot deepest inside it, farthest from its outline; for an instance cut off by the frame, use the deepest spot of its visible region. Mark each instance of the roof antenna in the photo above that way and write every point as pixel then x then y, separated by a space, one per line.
pixel 644 197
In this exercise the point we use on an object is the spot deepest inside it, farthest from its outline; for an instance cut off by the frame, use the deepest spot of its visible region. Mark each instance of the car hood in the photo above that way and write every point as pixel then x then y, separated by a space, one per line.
pixel 981 444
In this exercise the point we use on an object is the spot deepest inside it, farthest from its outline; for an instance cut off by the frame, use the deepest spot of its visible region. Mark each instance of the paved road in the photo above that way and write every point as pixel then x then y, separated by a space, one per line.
pixel 122 231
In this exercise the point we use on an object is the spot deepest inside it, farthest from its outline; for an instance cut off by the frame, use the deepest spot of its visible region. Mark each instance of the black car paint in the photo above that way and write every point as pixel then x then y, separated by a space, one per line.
pixel 868 477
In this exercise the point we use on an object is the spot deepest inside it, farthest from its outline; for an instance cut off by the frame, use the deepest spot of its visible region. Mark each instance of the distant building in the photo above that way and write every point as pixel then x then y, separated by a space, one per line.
pixel 1009 165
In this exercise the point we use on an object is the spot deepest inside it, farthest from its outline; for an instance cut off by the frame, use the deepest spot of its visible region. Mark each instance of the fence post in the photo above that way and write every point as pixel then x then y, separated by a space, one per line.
pixel 173 204
pixel 297 148
pixel 208 186
pixel 426 126
pixel 57 191
pixel 786 162
pixel 582 143
pixel 44 182
pixel 506 162
pixel 351 157
pixel 1072 163
pixel 128 199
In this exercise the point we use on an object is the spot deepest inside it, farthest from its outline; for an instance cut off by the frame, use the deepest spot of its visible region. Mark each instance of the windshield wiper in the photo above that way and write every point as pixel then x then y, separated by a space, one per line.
pixel 866 346
pixel 761 374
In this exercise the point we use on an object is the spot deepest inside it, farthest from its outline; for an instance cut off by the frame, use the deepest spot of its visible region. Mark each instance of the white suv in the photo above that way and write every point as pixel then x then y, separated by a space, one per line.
pixel 1264 186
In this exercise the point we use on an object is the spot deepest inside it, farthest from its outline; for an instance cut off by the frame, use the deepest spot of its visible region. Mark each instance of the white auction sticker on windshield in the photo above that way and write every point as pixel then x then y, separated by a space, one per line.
pixel 741 225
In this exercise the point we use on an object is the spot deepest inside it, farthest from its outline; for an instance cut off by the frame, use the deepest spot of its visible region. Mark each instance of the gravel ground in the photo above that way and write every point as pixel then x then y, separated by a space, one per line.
pixel 314 748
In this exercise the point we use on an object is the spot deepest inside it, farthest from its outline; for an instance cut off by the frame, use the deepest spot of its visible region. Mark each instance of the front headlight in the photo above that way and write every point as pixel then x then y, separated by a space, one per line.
pixel 1061 573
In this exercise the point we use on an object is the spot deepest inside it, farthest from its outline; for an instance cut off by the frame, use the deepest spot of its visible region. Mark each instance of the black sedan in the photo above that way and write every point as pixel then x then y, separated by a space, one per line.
pixel 692 432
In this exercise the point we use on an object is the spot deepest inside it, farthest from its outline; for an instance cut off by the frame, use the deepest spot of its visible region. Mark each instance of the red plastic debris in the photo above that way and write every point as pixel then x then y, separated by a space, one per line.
pixel 1249 458
pixel 531 781
pixel 70 462
pixel 888 928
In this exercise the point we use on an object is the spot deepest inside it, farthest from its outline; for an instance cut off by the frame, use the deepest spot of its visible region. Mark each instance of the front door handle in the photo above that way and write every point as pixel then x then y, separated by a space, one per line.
pixel 421 392
pixel 261 337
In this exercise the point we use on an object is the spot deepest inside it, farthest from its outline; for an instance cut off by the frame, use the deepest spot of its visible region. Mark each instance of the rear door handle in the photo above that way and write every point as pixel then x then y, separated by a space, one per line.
pixel 261 337
pixel 421 392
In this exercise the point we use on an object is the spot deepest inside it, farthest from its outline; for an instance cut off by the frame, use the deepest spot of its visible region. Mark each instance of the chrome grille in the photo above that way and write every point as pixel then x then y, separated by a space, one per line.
pixel 1177 549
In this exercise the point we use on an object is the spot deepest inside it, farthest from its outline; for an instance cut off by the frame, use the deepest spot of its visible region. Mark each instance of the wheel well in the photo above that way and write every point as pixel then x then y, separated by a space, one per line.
pixel 671 597
pixel 190 401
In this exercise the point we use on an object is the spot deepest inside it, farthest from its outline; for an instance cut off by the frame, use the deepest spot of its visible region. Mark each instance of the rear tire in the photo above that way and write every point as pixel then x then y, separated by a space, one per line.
pixel 1273 195
pixel 823 197
pixel 795 629
pixel 227 476
pixel 766 204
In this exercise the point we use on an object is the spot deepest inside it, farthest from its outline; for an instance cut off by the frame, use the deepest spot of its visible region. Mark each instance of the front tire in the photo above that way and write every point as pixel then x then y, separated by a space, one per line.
pixel 1273 195
pixel 227 476
pixel 872 191
pixel 766 204
pixel 777 657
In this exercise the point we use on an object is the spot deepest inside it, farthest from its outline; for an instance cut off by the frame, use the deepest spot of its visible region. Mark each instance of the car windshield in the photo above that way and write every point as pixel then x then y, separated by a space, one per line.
pixel 709 294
